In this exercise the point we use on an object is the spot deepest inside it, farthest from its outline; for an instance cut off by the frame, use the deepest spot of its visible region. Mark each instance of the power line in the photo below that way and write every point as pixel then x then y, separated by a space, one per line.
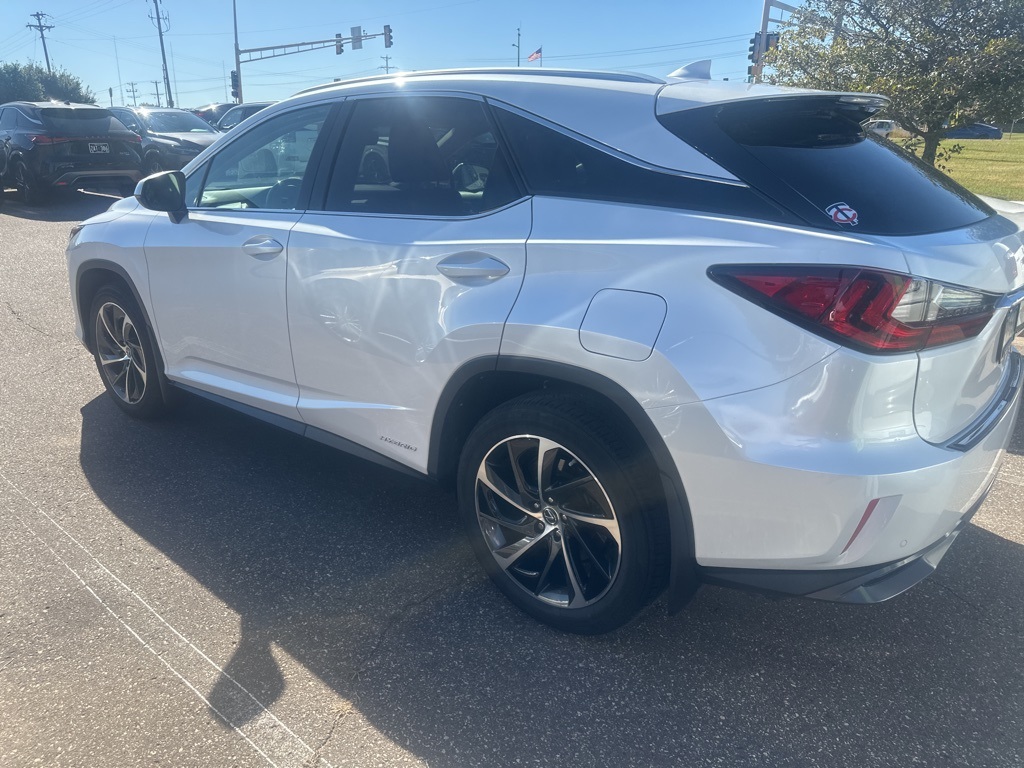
pixel 160 20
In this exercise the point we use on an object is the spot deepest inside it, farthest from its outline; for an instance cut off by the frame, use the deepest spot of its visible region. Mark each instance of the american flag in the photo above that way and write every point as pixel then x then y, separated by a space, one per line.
pixel 536 54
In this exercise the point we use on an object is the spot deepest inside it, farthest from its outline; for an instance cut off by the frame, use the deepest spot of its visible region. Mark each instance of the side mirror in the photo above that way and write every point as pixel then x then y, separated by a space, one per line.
pixel 164 192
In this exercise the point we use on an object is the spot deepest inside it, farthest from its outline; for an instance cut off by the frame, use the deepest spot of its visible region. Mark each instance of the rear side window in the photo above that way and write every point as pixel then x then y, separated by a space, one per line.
pixel 556 164
pixel 814 155
pixel 79 122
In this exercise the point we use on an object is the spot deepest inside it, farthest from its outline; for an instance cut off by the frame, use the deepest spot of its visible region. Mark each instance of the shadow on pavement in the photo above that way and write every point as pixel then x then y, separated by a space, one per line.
pixel 364 577
pixel 63 206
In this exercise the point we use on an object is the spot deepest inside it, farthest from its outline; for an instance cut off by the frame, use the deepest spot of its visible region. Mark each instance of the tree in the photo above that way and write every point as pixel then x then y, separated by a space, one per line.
pixel 30 82
pixel 942 62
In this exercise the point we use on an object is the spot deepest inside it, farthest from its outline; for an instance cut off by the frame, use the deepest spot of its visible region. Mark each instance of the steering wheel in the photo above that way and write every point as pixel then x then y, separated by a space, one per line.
pixel 285 194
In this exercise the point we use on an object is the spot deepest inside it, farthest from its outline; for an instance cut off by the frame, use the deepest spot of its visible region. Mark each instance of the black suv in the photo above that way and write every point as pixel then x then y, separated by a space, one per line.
pixel 170 137
pixel 60 145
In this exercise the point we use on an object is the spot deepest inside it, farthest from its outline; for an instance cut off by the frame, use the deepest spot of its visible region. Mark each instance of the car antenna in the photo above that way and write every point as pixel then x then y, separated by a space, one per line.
pixel 695 70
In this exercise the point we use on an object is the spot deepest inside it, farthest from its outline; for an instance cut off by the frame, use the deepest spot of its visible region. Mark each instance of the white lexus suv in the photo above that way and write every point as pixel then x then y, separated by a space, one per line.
pixel 656 332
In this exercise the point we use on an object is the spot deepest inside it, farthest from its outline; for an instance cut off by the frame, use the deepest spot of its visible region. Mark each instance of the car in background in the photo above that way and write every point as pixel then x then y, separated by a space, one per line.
pixel 654 332
pixel 974 131
pixel 240 112
pixel 50 146
pixel 170 137
pixel 211 113
pixel 881 128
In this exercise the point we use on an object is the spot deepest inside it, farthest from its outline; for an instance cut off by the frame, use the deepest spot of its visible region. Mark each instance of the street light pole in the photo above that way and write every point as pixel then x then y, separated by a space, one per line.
pixel 238 54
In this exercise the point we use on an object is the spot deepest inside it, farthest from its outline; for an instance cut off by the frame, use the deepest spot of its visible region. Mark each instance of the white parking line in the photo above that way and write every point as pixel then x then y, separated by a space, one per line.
pixel 266 734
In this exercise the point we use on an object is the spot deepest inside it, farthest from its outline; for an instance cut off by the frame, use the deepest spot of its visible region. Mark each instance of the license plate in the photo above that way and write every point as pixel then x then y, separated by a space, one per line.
pixel 99 148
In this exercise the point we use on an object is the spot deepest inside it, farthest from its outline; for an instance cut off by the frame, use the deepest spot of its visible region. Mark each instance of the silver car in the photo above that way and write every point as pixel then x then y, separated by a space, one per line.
pixel 655 332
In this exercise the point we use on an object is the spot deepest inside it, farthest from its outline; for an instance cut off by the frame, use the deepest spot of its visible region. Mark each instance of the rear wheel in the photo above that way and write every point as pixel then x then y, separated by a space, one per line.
pixel 29 190
pixel 124 354
pixel 559 512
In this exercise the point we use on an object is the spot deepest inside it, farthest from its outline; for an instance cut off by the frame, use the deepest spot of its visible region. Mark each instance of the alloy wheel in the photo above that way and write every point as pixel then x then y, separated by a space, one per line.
pixel 547 521
pixel 120 352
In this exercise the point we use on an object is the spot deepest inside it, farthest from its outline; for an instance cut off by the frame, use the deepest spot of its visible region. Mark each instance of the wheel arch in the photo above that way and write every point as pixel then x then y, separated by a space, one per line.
pixel 482 384
pixel 91 276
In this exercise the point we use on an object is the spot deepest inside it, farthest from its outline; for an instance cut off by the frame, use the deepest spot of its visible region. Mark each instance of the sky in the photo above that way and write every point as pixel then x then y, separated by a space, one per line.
pixel 111 43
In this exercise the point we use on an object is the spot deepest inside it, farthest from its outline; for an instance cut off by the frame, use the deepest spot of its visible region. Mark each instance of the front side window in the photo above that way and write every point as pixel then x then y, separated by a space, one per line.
pixel 422 156
pixel 266 167
pixel 128 118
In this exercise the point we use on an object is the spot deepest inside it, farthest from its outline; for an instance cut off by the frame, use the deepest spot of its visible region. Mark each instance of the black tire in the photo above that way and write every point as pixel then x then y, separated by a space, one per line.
pixel 152 164
pixel 127 362
pixel 29 190
pixel 556 533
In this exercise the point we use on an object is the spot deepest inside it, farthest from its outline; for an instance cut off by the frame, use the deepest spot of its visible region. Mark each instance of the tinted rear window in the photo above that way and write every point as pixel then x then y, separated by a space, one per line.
pixel 79 122
pixel 814 155
pixel 556 164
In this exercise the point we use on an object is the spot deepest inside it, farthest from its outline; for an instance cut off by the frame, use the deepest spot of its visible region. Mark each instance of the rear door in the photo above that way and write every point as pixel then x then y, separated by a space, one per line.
pixel 409 271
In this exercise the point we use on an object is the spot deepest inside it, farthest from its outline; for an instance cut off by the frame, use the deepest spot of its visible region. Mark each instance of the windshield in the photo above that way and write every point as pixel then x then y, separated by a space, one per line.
pixel 175 122
pixel 79 122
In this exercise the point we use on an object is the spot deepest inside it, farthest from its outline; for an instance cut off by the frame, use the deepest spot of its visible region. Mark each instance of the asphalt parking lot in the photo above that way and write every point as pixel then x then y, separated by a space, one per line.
pixel 211 591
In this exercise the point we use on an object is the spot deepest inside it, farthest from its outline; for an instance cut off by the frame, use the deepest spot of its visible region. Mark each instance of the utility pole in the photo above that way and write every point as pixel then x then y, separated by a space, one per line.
pixel 134 92
pixel 156 85
pixel 387 67
pixel 519 34
pixel 41 28
pixel 160 20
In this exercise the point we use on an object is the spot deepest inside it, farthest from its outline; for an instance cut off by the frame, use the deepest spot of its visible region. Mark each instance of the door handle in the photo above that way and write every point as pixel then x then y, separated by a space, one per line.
pixel 262 247
pixel 472 264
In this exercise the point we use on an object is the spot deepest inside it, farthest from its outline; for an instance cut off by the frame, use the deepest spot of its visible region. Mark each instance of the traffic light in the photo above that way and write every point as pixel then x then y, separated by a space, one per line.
pixel 387 35
pixel 771 41
pixel 234 84
pixel 754 51
pixel 339 45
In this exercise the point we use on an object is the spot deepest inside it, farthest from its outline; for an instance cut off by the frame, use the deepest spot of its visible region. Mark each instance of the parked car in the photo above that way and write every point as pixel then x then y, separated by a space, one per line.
pixel 170 137
pixel 211 113
pixel 881 128
pixel 653 334
pixel 50 146
pixel 974 131
pixel 240 112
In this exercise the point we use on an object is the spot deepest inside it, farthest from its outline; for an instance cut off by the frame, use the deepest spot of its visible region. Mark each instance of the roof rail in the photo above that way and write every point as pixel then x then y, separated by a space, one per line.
pixel 587 74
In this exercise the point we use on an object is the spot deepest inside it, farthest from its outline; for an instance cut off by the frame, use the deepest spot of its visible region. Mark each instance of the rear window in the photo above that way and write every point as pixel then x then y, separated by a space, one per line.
pixel 79 122
pixel 813 155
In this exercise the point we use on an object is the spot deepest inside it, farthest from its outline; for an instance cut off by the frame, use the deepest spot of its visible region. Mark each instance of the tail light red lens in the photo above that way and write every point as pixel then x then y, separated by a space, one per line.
pixel 44 139
pixel 870 309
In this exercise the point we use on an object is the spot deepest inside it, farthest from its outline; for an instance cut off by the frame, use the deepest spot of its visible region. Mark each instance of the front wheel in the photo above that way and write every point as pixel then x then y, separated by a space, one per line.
pixel 124 354
pixel 559 510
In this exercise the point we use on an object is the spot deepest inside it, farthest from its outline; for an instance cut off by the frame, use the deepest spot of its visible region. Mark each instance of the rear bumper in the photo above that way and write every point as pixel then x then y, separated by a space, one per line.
pixel 861 586
pixel 80 179
pixel 821 486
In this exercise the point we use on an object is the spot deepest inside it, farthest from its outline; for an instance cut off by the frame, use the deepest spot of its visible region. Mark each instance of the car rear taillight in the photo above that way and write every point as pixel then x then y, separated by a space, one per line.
pixel 870 309
pixel 39 138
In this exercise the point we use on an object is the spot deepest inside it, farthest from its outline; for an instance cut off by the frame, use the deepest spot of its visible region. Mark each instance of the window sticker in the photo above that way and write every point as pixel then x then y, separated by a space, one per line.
pixel 841 213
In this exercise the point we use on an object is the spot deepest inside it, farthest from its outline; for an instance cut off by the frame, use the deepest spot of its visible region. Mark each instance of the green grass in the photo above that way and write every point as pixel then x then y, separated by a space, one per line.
pixel 990 167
